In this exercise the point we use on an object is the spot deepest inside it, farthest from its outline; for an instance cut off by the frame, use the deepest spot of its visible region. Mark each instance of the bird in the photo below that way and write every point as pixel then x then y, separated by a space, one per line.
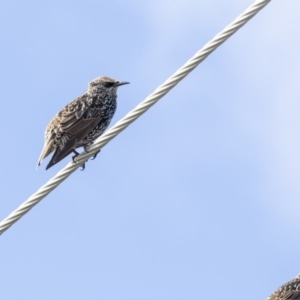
pixel 81 121
pixel 288 291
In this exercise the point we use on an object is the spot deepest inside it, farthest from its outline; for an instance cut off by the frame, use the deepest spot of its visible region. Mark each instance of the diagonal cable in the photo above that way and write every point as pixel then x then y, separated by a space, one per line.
pixel 135 113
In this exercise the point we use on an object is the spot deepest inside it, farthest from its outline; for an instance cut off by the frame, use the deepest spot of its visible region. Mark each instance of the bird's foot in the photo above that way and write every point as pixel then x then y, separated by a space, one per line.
pixel 76 162
pixel 95 155
pixel 74 157
pixel 85 147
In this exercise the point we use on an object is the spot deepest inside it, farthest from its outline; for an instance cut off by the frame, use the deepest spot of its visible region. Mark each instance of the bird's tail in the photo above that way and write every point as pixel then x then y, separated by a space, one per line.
pixel 58 156
pixel 45 152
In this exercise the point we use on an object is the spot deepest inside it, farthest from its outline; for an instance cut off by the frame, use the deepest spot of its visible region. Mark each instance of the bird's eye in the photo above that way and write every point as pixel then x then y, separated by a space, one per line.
pixel 108 84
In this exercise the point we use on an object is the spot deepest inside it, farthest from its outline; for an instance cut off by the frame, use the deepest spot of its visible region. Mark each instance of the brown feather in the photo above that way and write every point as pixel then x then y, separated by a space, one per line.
pixel 83 120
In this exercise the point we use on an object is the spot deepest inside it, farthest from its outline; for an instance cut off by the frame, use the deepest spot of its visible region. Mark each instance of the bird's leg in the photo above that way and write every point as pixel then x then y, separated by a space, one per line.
pixel 74 159
pixel 95 155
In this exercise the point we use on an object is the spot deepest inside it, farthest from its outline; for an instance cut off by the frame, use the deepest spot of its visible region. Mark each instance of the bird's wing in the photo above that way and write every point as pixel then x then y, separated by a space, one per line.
pixel 76 122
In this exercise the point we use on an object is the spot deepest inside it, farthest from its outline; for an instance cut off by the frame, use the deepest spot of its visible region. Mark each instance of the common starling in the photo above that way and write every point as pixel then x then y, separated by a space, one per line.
pixel 289 291
pixel 82 121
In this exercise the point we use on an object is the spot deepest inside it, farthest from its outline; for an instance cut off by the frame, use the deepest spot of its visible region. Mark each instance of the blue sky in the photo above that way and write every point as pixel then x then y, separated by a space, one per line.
pixel 197 199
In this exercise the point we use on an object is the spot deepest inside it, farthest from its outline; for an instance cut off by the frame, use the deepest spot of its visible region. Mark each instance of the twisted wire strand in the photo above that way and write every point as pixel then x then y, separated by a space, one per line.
pixel 141 108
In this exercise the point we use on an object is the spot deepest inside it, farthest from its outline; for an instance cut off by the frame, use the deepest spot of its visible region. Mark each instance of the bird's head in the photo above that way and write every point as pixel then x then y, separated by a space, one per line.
pixel 105 84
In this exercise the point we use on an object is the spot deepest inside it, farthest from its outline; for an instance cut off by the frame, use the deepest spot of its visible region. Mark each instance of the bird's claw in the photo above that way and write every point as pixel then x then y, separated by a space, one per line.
pixel 95 155
pixel 76 161
pixel 74 157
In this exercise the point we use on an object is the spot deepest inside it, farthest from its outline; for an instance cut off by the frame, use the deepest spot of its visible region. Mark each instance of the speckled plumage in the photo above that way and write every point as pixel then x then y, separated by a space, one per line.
pixel 81 121
pixel 288 291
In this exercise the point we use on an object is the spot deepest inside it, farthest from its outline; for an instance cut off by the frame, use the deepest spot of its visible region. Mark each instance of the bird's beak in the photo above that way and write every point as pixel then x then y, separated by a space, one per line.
pixel 121 83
